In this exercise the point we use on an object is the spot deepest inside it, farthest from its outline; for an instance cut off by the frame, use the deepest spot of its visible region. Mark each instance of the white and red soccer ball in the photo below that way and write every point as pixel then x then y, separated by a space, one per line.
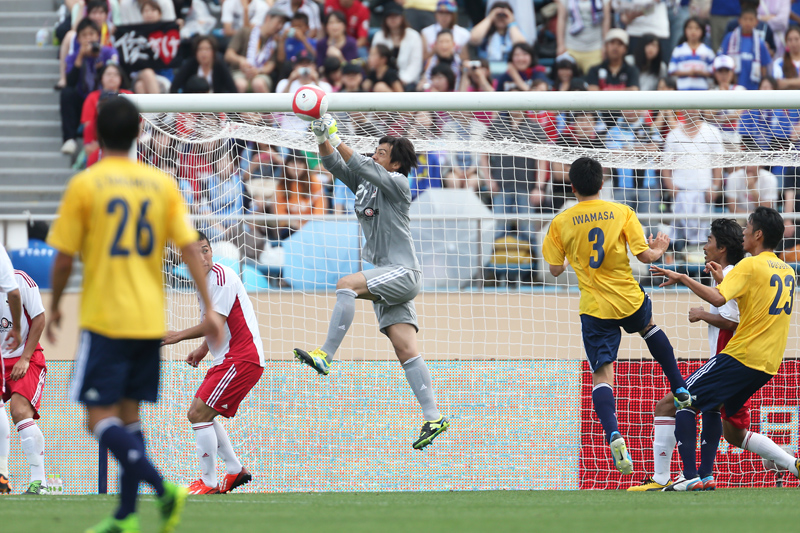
pixel 310 103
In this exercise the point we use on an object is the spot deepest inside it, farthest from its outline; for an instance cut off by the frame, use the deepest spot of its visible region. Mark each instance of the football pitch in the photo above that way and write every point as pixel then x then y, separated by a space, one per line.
pixel 726 510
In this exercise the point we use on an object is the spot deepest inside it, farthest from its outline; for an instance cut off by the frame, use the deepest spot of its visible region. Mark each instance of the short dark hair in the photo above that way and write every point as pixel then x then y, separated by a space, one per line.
pixel 586 176
pixel 770 223
pixel 202 237
pixel 96 4
pixel 444 32
pixel 196 85
pixel 749 8
pixel 335 14
pixel 528 49
pixel 117 124
pixel 87 23
pixel 402 152
pixel 447 72
pixel 728 234
pixel 301 16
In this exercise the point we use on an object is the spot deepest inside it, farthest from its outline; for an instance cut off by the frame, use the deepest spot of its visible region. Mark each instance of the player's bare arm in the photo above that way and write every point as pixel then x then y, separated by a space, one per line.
pixel 194 332
pixel 15 304
pixel 197 355
pixel 657 248
pixel 557 270
pixel 62 268
pixel 20 368
pixel 709 294
pixel 696 314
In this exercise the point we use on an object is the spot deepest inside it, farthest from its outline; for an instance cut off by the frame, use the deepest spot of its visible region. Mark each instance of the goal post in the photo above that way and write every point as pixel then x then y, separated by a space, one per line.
pixel 502 337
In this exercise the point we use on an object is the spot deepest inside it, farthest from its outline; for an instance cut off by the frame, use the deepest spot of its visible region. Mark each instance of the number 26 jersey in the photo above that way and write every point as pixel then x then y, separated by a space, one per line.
pixel 594 236
pixel 118 214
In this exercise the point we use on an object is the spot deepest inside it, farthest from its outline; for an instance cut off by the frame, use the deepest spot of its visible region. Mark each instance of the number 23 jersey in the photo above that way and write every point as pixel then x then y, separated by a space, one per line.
pixel 763 286
pixel 118 214
pixel 593 236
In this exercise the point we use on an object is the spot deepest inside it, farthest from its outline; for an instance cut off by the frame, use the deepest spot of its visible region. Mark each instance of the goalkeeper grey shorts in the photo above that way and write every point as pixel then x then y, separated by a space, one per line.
pixel 396 286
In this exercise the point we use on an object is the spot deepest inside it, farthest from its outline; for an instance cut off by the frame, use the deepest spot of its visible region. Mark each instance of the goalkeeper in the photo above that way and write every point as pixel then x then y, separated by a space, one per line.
pixel 383 198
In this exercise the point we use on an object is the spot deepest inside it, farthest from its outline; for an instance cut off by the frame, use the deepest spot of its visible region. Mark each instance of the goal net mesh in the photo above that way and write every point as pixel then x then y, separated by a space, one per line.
pixel 501 336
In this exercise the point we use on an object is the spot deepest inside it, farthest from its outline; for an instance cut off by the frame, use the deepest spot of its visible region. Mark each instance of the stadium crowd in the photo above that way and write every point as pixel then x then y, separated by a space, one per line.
pixel 449 45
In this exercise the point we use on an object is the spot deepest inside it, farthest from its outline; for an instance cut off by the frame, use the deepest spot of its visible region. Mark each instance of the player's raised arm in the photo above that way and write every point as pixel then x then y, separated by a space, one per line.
pixel 709 294
pixel 657 248
pixel 332 158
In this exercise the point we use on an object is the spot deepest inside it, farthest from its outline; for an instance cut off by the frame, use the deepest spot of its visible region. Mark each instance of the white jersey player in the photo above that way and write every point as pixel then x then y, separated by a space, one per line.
pixel 237 366
pixel 8 285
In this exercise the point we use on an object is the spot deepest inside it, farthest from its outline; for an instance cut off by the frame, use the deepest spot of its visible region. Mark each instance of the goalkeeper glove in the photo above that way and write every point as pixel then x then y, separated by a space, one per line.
pixel 319 129
pixel 326 129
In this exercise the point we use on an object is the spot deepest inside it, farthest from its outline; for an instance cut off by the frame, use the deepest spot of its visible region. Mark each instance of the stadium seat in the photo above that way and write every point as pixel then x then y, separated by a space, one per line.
pixel 254 280
pixel 36 260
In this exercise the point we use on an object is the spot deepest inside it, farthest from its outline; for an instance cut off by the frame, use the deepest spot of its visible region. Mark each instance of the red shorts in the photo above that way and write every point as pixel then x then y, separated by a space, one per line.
pixel 226 385
pixel 31 385
pixel 741 419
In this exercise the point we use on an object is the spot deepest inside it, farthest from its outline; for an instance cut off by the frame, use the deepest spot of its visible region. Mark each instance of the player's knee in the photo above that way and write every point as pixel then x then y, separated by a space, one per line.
pixel 194 415
pixel 665 406
pixel 21 409
pixel 647 329
pixel 346 283
pixel 735 436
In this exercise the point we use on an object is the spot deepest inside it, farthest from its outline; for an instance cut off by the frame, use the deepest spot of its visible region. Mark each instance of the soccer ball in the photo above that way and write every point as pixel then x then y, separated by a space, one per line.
pixel 310 103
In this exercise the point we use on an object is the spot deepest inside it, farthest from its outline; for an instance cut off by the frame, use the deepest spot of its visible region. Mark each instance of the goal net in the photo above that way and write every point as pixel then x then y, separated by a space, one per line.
pixel 500 334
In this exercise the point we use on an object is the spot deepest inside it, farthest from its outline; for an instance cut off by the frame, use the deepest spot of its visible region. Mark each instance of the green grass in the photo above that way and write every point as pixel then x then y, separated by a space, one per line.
pixel 732 510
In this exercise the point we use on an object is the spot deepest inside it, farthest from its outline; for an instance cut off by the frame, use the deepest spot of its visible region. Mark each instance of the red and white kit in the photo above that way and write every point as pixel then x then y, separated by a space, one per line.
pixel 32 384
pixel 717 340
pixel 239 357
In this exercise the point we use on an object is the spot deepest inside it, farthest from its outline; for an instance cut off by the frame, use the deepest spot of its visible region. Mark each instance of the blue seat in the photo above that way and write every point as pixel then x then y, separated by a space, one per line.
pixel 254 281
pixel 36 260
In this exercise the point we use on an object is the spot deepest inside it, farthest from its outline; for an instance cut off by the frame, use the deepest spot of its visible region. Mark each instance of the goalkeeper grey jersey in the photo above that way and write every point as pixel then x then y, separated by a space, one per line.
pixel 383 200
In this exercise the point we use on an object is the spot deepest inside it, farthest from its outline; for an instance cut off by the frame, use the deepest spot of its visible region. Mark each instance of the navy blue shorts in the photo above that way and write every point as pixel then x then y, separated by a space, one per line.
pixel 724 381
pixel 601 336
pixel 107 370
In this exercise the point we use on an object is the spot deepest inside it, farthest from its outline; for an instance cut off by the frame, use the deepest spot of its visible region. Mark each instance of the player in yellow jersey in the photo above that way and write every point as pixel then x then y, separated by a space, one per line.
pixel 763 286
pixel 118 215
pixel 593 237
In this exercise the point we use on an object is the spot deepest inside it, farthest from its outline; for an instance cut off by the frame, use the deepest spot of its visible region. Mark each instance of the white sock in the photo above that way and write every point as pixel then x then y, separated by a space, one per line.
pixel 663 446
pixel 419 377
pixel 206 439
pixel 5 439
pixel 225 449
pixel 32 440
pixel 765 447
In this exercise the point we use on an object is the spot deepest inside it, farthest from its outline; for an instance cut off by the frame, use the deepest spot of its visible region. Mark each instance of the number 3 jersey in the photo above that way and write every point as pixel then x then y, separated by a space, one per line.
pixel 241 340
pixel 594 236
pixel 118 215
pixel 763 286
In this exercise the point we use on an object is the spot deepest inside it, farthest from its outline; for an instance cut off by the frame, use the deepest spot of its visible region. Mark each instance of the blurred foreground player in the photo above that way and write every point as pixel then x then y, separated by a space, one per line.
pixel 724 246
pixel 8 285
pixel 237 367
pixel 592 237
pixel 383 199
pixel 764 287
pixel 118 215
pixel 23 374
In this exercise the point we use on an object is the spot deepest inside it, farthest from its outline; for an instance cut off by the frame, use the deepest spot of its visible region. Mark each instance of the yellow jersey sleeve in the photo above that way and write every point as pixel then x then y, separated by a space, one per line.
pixel 634 234
pixel 69 229
pixel 735 284
pixel 179 229
pixel 552 248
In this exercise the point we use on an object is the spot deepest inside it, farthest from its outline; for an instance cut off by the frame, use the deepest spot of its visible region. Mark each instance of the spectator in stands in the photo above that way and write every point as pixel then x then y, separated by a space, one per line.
pixel 82 67
pixel 310 9
pixel 442 80
pixel 581 28
pixel 336 43
pixel 446 18
pixel 113 81
pixel 237 14
pixel 382 76
pixel 748 50
pixel 679 12
pixel 522 69
pixel 419 13
pixel 303 73
pixel 794 14
pixel 524 15
pixel 352 78
pixel 768 129
pixel 252 53
pixel 785 69
pixel 299 193
pixel 444 54
pixel 226 192
pixel 404 42
pixel 693 190
pixel 96 11
pixel 566 74
pixel 295 39
pixel 642 18
pixel 665 119
pixel 332 73
pixel 692 61
pixel 496 34
pixel 775 13
pixel 722 12
pixel 750 187
pixel 647 58
pixel 614 73
pixel 130 11
pixel 197 20
pixel 147 80
pixel 581 131
pixel 207 63
pixel 356 19
pixel 762 29
pixel 429 173
pixel 727 120
pixel 477 77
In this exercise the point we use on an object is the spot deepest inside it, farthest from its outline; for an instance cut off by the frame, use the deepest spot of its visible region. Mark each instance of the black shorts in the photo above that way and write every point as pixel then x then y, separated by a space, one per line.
pixel 107 370
pixel 724 381
pixel 601 336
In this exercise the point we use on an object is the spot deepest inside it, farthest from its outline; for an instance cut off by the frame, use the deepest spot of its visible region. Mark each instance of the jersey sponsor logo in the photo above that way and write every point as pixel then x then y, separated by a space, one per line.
pixel 5 323
pixel 369 212
pixel 592 217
